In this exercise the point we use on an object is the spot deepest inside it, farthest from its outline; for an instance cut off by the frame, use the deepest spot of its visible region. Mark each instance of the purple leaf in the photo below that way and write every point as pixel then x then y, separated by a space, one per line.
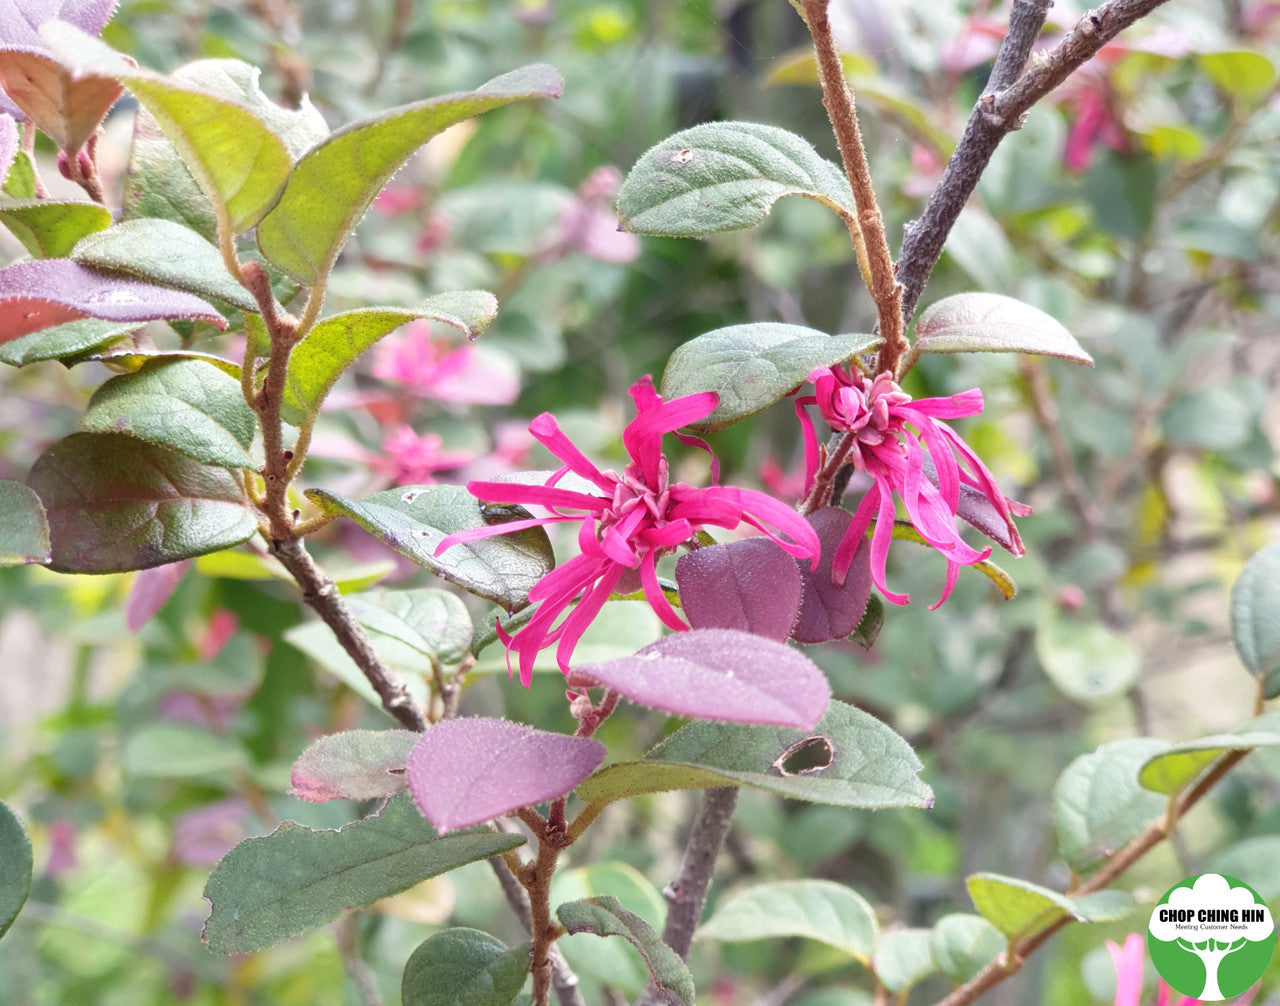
pixel 828 611
pixel 977 510
pixel 353 765
pixel 464 772
pixel 152 588
pixel 993 323
pixel 38 295
pixel 750 585
pixel 65 104
pixel 719 674
pixel 20 20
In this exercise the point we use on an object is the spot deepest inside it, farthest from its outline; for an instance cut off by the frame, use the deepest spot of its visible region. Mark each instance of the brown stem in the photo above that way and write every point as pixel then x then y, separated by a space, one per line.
pixel 544 929
pixel 838 100
pixel 1151 836
pixel 563 980
pixel 999 111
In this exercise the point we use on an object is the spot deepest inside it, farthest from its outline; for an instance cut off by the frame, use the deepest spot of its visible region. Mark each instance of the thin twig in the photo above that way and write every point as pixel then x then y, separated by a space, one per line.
pixel 1151 836
pixel 839 103
pixel 999 111
pixel 347 934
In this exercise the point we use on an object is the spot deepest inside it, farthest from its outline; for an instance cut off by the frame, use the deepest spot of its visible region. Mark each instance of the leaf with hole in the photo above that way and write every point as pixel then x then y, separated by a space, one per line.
pixel 1177 766
pixel 413 520
pixel 467 771
pixel 464 967
pixel 335 182
pixel 116 503
pixel 752 366
pixel 749 585
pixel 1255 618
pixel 50 228
pixel 849 759
pixel 993 323
pixel 718 674
pixel 1098 804
pixel 272 888
pixel 353 765
pixel 167 254
pixel 605 916
pixel 24 535
pixel 182 404
pixel 819 910
pixel 335 343
pixel 433 622
pixel 722 176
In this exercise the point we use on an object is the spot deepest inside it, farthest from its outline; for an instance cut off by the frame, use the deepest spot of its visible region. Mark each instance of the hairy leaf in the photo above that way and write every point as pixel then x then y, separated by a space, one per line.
pixel 466 771
pixel 433 622
pixel 116 503
pixel 24 532
pixel 963 944
pixel 752 366
pixel 829 610
pixel 268 889
pixel 1255 618
pixel 993 323
pixel 1177 766
pixel 721 176
pixel 413 520
pixel 1097 802
pixel 8 144
pixel 719 674
pixel 814 909
pixel 15 867
pixel 67 105
pixel 353 765
pixel 464 967
pixel 605 916
pixel 49 228
pixel 167 254
pixel 1020 909
pixel 182 404
pixel 856 760
pixel 48 292
pixel 335 343
pixel 749 585
pixel 157 184
pixel 332 185
pixel 63 342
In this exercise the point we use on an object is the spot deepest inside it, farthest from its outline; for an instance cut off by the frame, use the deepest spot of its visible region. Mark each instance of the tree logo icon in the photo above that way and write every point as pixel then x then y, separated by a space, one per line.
pixel 1211 937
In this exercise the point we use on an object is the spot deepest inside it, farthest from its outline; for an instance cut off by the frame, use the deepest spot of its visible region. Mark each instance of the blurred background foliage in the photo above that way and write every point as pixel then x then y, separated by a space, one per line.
pixel 1137 205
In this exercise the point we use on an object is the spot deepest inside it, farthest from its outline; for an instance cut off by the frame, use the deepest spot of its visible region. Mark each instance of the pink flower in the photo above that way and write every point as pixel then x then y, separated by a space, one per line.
pixel 892 433
pixel 430 369
pixel 589 224
pixel 627 524
pixel 1128 961
pixel 397 199
pixel 412 458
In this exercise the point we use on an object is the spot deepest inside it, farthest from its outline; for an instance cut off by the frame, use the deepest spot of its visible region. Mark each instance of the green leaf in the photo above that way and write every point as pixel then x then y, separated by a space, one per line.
pixel 433 622
pixel 24 533
pixel 272 888
pixel 21 180
pixel 15 867
pixel 1216 417
pixel 1103 906
pixel 1255 618
pixel 167 254
pixel 1244 74
pixel 902 957
pixel 1255 858
pixel 131 359
pixel 1087 661
pixel 1015 907
pixel 178 751
pixel 752 366
pixel 334 343
pixel 605 916
pixel 332 186
pixel 464 967
pixel 318 642
pixel 722 176
pixel 50 229
pixel 1098 804
pixel 869 764
pixel 69 339
pixel 182 404
pixel 814 909
pixel 413 520
pixel 963 944
pixel 116 503
pixel 992 323
pixel 158 185
pixel 1179 765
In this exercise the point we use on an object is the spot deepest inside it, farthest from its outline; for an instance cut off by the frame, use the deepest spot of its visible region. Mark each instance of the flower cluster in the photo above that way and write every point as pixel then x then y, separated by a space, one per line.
pixel 627 521
pixel 910 452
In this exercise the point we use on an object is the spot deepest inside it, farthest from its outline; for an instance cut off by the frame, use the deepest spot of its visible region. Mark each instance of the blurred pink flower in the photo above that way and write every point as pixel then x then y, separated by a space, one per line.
pixel 976 44
pixel 627 524
pixel 878 413
pixel 1128 961
pixel 201 837
pixel 412 458
pixel 222 625
pixel 785 485
pixel 590 226
pixel 62 847
pixel 1095 120
pixel 151 590
pixel 430 369
pixel 396 199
